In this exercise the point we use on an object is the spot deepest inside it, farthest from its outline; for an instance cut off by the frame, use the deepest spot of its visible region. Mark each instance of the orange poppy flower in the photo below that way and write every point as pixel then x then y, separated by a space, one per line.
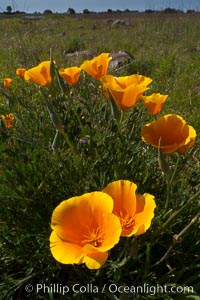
pixel 20 72
pixel 98 66
pixel 171 132
pixel 7 120
pixel 70 75
pixel 39 74
pixel 134 211
pixel 154 102
pixel 7 82
pixel 125 90
pixel 84 229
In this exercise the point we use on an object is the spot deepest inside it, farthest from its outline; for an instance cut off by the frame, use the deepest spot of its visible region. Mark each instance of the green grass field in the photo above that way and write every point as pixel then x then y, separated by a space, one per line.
pixel 38 169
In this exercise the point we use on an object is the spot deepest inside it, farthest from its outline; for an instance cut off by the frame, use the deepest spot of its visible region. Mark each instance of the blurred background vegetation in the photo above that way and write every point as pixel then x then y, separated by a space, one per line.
pixel 34 178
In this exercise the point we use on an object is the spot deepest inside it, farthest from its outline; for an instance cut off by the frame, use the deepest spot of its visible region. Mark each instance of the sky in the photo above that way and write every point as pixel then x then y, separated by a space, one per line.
pixel 60 6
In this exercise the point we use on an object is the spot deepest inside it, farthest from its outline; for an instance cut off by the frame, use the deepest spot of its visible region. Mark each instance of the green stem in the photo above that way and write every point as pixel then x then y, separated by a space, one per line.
pixel 170 180
pixel 175 169
pixel 54 141
pixel 176 213
pixel 183 231
pixel 168 193
pixel 176 240
pixel 59 126
pixel 148 258
pixel 116 111
pixel 70 145
pixel 77 116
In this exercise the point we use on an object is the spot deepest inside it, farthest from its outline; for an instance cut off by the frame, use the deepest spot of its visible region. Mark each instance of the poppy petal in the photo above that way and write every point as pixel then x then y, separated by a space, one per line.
pixel 144 218
pixel 123 194
pixel 70 75
pixel 95 261
pixel 39 74
pixel 98 66
pixel 64 252
pixel 154 102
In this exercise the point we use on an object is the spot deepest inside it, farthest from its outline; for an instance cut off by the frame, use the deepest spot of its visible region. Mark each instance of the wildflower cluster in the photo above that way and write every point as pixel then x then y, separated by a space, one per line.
pixel 86 227
pixel 125 91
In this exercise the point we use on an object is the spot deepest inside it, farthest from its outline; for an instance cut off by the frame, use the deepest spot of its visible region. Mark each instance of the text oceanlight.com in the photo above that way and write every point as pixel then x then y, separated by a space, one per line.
pixel 112 288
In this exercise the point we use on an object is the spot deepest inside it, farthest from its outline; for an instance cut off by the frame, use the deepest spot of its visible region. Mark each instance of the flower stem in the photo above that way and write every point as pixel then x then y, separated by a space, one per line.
pixel 176 213
pixel 175 169
pixel 70 145
pixel 116 111
pixel 148 258
pixel 170 181
pixel 177 239
pixel 54 141
pixel 55 119
pixel 168 193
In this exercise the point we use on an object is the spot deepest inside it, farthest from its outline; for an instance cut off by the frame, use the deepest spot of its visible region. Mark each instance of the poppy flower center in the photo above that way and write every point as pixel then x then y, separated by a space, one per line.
pixel 94 237
pixel 127 221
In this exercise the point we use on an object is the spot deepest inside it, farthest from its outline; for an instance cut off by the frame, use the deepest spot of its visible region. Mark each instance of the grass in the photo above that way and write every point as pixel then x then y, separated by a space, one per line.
pixel 35 178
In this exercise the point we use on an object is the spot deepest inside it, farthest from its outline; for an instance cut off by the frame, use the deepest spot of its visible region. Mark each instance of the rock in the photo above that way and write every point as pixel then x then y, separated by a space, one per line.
pixel 119 23
pixel 120 58
pixel 85 54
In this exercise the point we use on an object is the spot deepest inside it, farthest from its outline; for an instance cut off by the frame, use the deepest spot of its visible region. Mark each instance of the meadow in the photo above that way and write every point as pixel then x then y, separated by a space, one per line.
pixel 40 166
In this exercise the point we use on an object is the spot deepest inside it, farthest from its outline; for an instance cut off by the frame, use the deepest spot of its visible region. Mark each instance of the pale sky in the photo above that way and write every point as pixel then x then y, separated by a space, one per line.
pixel 97 5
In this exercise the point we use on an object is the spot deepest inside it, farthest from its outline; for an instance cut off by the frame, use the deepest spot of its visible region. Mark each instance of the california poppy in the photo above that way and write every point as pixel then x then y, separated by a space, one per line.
pixel 39 74
pixel 7 82
pixel 7 120
pixel 20 72
pixel 70 75
pixel 98 66
pixel 154 102
pixel 170 133
pixel 84 229
pixel 134 211
pixel 125 90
